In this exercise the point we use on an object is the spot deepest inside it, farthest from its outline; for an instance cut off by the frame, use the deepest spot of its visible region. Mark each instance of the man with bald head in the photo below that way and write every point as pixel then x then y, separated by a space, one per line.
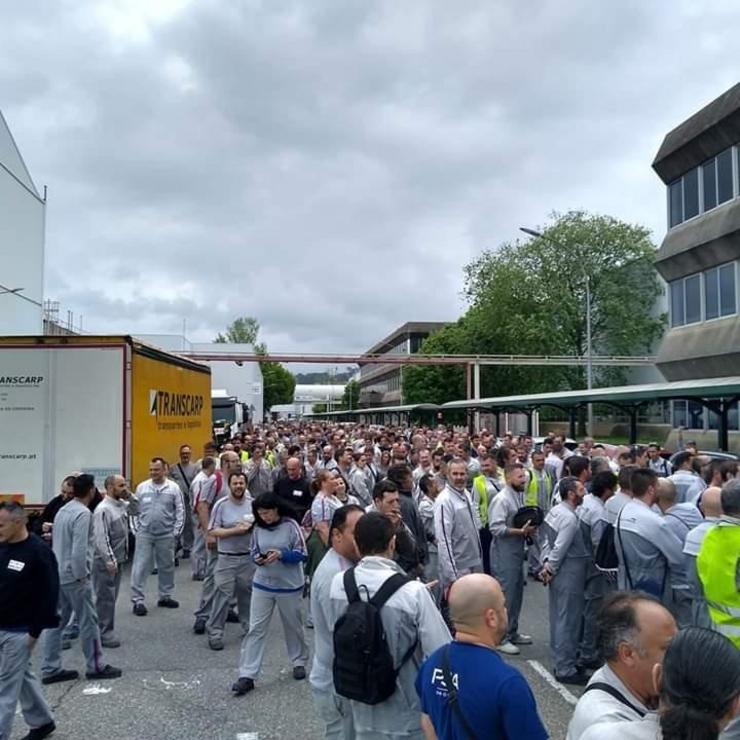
pixel 490 697
pixel 711 506
pixel 110 535
pixel 294 489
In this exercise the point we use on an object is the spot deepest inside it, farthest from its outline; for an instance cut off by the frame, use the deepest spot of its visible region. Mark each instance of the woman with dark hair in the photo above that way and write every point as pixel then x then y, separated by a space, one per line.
pixel 698 686
pixel 341 492
pixel 384 462
pixel 279 551
pixel 323 506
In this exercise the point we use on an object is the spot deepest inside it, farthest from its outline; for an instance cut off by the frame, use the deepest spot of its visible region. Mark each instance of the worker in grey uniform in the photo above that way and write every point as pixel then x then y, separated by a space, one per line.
pixel 342 554
pixel 231 524
pixel 681 518
pixel 647 548
pixel 158 523
pixel 73 547
pixel 591 517
pixel 205 479
pixel 110 535
pixel 230 463
pixel 259 472
pixel 430 489
pixel 623 495
pixel 411 622
pixel 456 527
pixel 183 473
pixel 711 508
pixel 634 631
pixel 507 551
pixel 565 560
pixel 688 482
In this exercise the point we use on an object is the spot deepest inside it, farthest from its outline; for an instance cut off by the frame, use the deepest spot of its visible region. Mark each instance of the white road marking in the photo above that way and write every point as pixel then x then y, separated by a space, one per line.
pixel 179 684
pixel 247 736
pixel 544 673
pixel 94 690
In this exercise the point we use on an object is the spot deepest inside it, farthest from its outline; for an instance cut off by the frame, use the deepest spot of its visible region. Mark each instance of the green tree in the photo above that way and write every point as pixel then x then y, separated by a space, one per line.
pixel 243 330
pixel 529 298
pixel 351 396
pixel 278 384
pixel 438 383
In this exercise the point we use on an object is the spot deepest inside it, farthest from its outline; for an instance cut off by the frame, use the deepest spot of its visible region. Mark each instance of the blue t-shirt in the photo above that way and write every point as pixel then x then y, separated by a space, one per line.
pixel 492 695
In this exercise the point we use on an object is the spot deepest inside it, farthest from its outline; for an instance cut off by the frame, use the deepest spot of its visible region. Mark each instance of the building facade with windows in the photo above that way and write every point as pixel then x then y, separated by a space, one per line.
pixel 699 162
pixel 381 385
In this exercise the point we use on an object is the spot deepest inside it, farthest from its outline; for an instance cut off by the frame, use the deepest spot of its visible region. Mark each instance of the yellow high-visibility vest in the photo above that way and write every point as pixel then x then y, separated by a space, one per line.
pixel 717 565
pixel 532 495
pixel 479 482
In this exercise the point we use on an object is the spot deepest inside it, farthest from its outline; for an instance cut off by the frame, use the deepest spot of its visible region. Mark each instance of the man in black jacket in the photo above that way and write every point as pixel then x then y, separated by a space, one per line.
pixel 294 489
pixel 29 592
pixel 43 523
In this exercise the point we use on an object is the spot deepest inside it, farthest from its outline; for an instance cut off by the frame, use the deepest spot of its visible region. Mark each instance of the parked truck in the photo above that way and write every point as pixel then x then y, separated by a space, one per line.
pixel 230 415
pixel 95 404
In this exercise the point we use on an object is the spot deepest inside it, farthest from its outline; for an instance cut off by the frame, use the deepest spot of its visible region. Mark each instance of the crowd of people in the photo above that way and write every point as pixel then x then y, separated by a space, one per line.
pixel 406 550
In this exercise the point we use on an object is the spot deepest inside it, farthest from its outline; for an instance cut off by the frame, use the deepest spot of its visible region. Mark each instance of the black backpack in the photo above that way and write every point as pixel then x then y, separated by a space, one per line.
pixel 605 557
pixel 363 665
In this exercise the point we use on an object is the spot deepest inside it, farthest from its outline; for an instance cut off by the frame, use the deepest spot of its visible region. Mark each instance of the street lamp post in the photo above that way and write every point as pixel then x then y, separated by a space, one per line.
pixel 589 347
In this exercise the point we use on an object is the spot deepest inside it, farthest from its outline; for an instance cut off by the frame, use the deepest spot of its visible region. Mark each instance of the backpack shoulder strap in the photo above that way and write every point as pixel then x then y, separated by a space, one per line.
pixel 624 554
pixel 452 693
pixel 612 691
pixel 387 590
pixel 678 519
pixel 350 585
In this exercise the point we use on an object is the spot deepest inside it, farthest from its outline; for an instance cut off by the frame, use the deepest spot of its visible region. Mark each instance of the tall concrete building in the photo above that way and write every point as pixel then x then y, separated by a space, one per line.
pixel 699 162
pixel 380 384
pixel 22 225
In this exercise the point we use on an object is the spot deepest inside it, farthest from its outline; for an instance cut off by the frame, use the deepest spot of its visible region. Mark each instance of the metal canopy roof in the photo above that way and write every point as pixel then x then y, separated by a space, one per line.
pixel 627 394
pixel 383 410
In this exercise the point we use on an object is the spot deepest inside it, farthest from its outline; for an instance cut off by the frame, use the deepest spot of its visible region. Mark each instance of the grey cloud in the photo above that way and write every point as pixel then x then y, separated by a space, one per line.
pixel 330 166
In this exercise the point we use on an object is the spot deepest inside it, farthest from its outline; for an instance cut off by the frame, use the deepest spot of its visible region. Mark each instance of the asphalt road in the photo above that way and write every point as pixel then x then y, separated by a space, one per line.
pixel 173 686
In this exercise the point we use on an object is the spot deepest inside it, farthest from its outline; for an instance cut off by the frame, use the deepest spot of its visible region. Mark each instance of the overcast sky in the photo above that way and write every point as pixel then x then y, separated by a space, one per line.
pixel 329 167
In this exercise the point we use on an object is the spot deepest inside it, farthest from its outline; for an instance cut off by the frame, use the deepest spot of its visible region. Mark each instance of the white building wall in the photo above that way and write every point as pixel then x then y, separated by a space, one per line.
pixel 22 216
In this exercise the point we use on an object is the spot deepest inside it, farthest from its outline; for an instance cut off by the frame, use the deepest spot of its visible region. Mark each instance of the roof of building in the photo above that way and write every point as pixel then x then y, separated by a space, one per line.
pixel 627 394
pixel 11 159
pixel 706 133
pixel 410 327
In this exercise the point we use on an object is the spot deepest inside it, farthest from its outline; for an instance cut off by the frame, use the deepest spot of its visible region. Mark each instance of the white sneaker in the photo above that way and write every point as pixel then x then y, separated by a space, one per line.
pixel 520 639
pixel 507 648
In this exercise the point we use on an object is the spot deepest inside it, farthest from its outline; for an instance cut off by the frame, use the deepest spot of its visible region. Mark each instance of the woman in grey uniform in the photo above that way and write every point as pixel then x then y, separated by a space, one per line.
pixel 279 551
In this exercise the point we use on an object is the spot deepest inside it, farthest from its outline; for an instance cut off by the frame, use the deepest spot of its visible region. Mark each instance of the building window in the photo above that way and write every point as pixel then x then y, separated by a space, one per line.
pixel 676 196
pixel 691 194
pixel 677 303
pixel 709 183
pixel 719 292
pixel 719 288
pixel 703 188
pixel 692 299
pixel 688 414
pixel 725 190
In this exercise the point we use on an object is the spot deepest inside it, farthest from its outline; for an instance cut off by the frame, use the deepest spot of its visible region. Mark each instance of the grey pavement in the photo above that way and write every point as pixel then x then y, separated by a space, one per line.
pixel 173 686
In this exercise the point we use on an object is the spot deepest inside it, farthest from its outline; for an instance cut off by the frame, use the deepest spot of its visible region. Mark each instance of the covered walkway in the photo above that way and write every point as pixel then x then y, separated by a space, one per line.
pixel 716 394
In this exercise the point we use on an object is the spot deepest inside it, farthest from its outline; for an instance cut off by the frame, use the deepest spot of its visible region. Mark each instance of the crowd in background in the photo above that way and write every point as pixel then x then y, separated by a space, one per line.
pixel 439 530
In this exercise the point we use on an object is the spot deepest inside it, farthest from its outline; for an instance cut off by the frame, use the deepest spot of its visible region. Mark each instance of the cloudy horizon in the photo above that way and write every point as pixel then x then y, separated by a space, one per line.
pixel 330 167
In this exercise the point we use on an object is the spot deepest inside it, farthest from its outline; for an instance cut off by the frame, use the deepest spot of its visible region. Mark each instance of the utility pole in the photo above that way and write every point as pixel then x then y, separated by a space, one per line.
pixel 589 355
